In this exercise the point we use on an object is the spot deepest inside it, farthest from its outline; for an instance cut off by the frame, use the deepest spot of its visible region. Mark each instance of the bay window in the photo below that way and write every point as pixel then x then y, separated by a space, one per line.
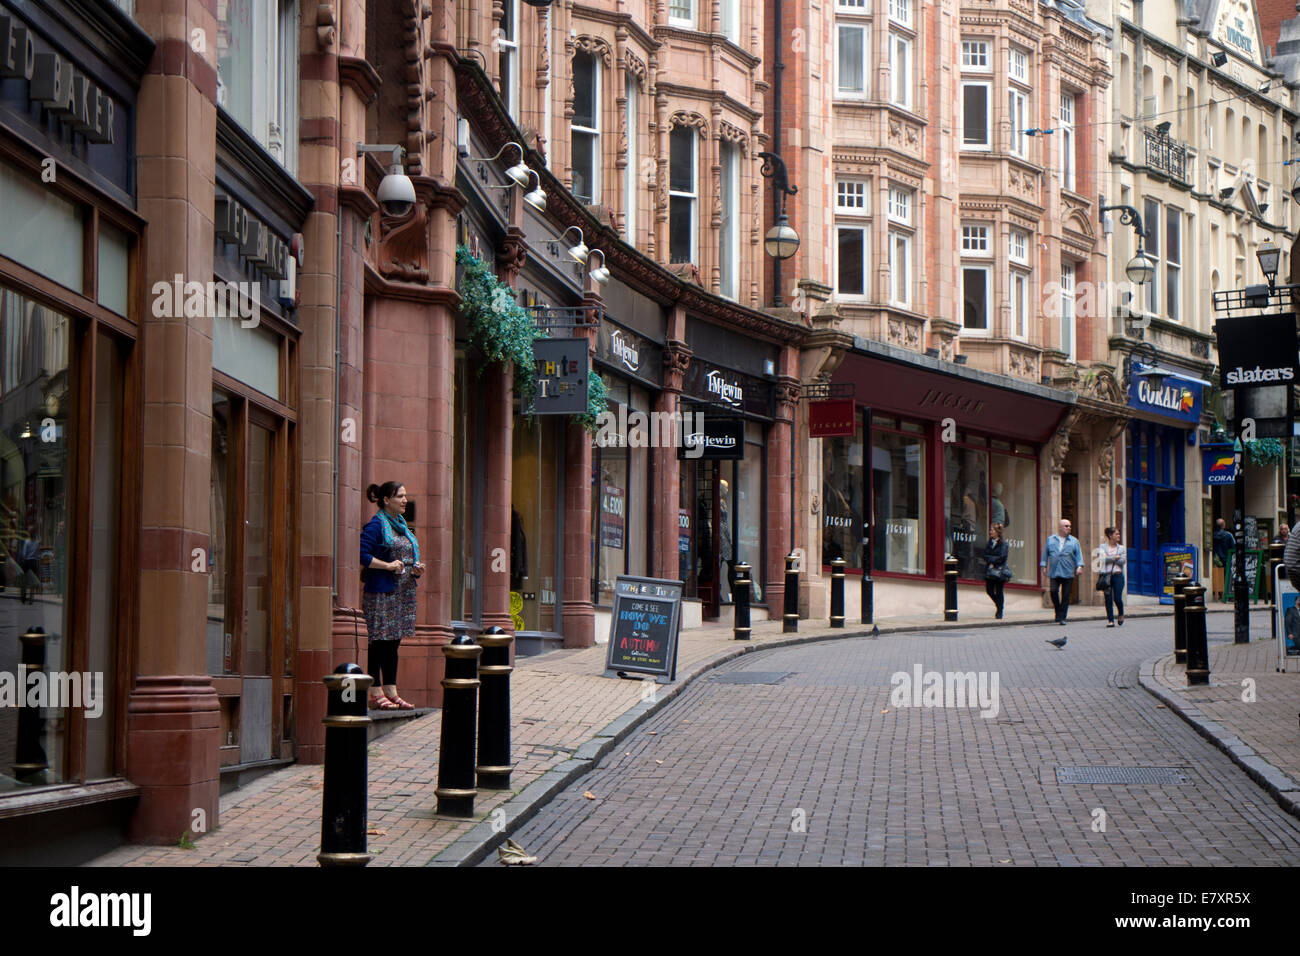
pixel 852 43
pixel 1068 158
pixel 900 247
pixel 631 170
pixel 1067 310
pixel 585 130
pixel 975 114
pixel 257 72
pixel 681 194
pixel 1173 261
pixel 729 231
pixel 900 70
pixel 852 238
pixel 508 60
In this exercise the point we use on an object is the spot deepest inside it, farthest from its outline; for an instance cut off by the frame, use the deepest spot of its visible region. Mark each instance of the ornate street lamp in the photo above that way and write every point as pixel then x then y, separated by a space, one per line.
pixel 1269 257
pixel 1141 267
pixel 781 241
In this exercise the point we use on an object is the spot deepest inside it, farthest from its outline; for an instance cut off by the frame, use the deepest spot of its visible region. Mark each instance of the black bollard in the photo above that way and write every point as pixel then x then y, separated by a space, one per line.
pixel 494 710
pixel 343 798
pixel 1180 619
pixel 1198 651
pixel 950 588
pixel 456 790
pixel 29 755
pixel 791 617
pixel 868 586
pixel 1275 552
pixel 837 592
pixel 740 595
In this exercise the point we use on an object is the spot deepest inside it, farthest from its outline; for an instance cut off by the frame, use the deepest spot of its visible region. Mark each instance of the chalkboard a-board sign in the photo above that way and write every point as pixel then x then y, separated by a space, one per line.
pixel 643 628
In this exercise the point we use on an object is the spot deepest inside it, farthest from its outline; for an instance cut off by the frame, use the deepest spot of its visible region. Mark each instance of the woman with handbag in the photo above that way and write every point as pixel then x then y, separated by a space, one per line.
pixel 1114 559
pixel 390 557
pixel 996 573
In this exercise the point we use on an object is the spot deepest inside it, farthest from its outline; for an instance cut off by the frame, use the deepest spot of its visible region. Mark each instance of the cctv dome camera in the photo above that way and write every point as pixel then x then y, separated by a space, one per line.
pixel 396 194
pixel 1295 189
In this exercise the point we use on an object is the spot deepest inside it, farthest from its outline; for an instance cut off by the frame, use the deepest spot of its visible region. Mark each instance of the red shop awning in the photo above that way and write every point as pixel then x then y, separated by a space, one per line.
pixel 901 382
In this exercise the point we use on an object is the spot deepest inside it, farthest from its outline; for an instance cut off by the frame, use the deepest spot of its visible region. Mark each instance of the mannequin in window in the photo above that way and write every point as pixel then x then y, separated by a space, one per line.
pixel 518 551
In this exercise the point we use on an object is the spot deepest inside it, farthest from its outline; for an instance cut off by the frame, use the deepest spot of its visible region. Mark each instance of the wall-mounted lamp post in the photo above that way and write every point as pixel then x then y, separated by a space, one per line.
pixel 781 241
pixel 1141 267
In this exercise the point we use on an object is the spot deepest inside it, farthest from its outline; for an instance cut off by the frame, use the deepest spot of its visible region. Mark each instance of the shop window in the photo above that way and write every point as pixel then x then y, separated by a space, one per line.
pixel 112 268
pixel 220 642
pixel 535 524
pixel 257 71
pixel 37 436
pixel 585 130
pixel 250 355
pixel 620 498
pixel 41 231
pixel 1013 502
pixel 681 195
pixel 843 487
pixel 965 507
pixel 749 507
pixel 898 493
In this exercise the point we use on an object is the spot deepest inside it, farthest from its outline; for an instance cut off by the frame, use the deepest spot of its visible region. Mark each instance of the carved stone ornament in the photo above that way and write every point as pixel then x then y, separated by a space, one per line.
pixel 787 392
pixel 404 246
pixel 904 333
pixel 687 118
pixel 733 134
pixel 635 65
pixel 597 46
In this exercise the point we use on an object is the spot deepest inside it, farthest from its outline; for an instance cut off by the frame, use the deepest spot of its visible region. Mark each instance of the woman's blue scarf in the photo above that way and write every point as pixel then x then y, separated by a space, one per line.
pixel 389 524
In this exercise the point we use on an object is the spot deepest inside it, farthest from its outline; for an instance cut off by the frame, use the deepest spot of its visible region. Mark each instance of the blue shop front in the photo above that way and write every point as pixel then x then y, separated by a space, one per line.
pixel 1161 460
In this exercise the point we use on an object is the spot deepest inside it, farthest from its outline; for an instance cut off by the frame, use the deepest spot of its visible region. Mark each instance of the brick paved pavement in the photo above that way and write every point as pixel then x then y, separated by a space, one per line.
pixel 718 776
pixel 1268 724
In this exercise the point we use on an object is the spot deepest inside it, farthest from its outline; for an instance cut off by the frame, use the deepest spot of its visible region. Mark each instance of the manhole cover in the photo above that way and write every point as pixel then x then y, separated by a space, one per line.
pixel 1163 776
pixel 752 677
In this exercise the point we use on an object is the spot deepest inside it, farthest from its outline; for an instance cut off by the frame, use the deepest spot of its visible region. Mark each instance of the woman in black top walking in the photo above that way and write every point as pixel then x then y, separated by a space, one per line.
pixel 997 572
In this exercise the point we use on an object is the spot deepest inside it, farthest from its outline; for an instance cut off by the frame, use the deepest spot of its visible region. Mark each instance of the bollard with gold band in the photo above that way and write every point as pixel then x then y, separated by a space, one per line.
pixel 29 756
pixel 1180 619
pixel 1198 652
pixel 950 588
pixel 790 619
pixel 343 798
pixel 837 592
pixel 494 710
pixel 456 788
pixel 740 592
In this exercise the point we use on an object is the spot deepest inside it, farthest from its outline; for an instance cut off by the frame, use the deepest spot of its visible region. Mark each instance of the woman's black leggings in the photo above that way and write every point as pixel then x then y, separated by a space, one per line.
pixel 383 663
pixel 994 588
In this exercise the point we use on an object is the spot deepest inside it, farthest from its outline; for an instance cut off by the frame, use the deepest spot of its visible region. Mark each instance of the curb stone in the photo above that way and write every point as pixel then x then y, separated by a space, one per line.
pixel 1283 789
pixel 474 846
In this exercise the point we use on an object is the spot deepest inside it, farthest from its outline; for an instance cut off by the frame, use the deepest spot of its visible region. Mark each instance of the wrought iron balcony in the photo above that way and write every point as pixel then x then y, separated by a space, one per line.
pixel 550 317
pixel 1164 155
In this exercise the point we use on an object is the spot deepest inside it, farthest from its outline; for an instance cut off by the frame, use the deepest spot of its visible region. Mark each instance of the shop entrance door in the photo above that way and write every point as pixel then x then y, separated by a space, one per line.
pixel 1155 477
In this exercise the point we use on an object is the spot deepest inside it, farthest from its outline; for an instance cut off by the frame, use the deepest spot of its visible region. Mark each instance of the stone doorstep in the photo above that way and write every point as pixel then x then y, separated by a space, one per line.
pixel 384 722
pixel 472 847
pixel 1279 784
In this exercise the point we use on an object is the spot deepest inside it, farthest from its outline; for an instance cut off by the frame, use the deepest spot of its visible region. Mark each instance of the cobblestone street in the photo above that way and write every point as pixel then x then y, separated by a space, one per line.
pixel 730 773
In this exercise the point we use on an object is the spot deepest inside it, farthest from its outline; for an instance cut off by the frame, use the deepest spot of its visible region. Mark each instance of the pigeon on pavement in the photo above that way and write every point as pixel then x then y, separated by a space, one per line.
pixel 1059 644
pixel 875 631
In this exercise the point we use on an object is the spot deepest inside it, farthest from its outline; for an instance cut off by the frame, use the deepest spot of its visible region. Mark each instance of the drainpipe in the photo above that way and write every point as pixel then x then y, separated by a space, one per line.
pixel 778 67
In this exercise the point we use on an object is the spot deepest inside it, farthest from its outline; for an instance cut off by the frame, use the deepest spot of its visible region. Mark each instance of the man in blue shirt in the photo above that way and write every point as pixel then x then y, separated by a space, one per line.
pixel 1063 560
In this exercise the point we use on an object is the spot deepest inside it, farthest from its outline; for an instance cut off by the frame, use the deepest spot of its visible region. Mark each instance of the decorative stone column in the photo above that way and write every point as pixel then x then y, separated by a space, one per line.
pixel 664 559
pixel 779 501
pixel 172 711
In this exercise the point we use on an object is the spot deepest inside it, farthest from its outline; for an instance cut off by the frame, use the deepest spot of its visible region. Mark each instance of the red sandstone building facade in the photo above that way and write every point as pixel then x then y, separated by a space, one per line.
pixel 183 480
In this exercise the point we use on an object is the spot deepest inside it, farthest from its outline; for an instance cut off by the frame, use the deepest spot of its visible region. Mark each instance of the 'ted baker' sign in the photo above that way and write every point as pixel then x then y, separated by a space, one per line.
pixel 560 370
pixel 54 82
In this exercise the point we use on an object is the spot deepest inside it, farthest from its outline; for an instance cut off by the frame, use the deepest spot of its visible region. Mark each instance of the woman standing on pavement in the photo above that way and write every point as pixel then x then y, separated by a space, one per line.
pixel 995 574
pixel 1114 559
pixel 390 559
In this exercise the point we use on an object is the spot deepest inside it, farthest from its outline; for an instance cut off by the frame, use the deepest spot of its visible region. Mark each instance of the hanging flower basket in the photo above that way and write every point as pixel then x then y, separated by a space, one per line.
pixel 503 331
pixel 1265 451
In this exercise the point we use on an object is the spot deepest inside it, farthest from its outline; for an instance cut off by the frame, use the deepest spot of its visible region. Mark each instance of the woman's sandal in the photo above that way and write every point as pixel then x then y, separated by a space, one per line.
pixel 382 702
pixel 402 704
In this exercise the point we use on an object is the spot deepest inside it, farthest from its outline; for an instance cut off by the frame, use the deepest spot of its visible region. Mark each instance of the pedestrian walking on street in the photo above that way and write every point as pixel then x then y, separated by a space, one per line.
pixel 1063 561
pixel 390 559
pixel 996 574
pixel 1110 579
pixel 1291 560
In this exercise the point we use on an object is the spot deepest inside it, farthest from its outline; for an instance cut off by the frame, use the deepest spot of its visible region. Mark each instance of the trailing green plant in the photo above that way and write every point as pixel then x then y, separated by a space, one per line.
pixel 597 402
pixel 1265 451
pixel 499 327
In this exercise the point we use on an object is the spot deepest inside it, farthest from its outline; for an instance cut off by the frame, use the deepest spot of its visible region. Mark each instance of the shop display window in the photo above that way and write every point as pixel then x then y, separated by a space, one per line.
pixel 898 491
